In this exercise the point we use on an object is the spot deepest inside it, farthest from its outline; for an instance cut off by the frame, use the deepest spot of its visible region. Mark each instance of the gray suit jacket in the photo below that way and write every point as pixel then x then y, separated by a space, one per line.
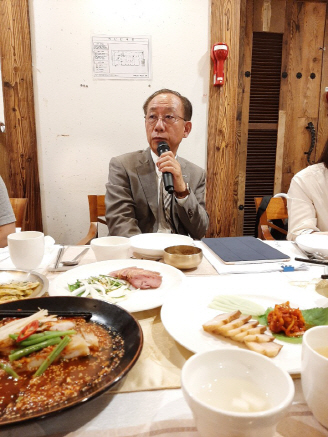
pixel 132 193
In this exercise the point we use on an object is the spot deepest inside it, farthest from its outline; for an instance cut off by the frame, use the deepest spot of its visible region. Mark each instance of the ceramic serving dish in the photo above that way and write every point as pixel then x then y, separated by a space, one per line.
pixel 113 317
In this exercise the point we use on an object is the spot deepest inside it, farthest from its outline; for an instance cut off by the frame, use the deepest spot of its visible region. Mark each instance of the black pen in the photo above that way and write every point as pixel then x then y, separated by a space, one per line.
pixel 312 261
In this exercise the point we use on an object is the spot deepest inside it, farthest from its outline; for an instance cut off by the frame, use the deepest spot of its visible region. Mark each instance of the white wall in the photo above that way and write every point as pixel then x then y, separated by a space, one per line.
pixel 80 128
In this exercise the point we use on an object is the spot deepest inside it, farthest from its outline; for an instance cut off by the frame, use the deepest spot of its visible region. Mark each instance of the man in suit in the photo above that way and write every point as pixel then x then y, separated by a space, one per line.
pixel 134 191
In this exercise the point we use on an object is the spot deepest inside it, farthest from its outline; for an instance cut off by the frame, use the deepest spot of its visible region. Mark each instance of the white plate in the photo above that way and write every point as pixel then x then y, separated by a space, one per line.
pixel 8 275
pixel 184 314
pixel 140 300
pixel 313 243
pixel 154 244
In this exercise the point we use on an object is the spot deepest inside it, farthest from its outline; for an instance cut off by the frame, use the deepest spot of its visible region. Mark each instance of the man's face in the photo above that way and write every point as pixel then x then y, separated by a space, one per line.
pixel 159 107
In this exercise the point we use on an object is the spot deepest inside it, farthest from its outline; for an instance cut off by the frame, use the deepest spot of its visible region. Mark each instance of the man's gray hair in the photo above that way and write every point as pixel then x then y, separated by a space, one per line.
pixel 187 106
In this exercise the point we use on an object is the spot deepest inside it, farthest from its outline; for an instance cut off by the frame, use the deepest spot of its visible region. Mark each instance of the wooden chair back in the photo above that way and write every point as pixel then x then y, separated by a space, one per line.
pixel 96 208
pixel 19 206
pixel 276 209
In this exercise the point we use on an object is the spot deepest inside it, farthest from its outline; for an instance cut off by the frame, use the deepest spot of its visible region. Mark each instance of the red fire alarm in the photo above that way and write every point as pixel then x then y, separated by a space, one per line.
pixel 219 54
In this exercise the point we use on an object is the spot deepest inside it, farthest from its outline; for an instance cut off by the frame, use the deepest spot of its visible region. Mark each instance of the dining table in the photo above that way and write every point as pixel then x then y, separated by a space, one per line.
pixel 149 401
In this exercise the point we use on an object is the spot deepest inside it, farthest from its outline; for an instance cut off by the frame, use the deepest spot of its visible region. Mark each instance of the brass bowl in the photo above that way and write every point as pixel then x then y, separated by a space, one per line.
pixel 183 257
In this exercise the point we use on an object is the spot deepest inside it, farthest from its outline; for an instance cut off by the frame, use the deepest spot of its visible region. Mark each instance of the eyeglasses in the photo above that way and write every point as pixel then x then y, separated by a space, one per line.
pixel 167 119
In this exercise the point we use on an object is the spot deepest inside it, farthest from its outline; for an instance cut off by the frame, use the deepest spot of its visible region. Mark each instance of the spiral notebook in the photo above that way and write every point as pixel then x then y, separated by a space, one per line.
pixel 243 250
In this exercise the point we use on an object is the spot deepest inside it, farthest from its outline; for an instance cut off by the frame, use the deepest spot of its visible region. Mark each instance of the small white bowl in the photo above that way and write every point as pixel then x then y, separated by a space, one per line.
pixel 111 248
pixel 211 382
pixel 153 245
pixel 314 243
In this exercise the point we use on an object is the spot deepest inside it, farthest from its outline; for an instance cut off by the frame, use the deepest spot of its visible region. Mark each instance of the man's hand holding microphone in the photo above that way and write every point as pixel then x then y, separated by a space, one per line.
pixel 171 169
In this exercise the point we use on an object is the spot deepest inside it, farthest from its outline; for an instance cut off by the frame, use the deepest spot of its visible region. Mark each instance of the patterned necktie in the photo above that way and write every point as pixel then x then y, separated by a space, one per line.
pixel 167 203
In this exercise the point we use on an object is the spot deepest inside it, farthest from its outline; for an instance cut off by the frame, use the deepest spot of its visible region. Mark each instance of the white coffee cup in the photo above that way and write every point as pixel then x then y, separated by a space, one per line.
pixel 26 249
pixel 314 372
pixel 235 392
pixel 111 248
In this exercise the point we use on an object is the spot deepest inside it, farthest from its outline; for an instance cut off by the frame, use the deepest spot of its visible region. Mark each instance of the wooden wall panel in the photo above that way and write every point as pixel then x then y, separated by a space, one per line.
pixel 222 148
pixel 322 136
pixel 304 35
pixel 4 159
pixel 269 16
pixel 280 152
pixel 16 66
pixel 244 85
pixel 304 24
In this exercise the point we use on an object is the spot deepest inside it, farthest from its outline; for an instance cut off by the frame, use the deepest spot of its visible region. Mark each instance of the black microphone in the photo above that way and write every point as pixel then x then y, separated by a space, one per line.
pixel 167 177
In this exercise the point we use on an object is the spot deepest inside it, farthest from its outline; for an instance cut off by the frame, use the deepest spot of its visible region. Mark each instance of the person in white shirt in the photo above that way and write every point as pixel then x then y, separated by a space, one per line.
pixel 308 199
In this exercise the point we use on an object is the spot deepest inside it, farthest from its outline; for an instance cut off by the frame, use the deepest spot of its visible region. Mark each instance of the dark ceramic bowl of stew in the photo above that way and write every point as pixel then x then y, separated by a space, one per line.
pixel 124 337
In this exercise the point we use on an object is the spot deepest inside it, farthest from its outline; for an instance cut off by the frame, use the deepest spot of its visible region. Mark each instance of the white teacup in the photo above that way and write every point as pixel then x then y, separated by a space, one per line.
pixel 314 371
pixel 235 392
pixel 111 248
pixel 26 249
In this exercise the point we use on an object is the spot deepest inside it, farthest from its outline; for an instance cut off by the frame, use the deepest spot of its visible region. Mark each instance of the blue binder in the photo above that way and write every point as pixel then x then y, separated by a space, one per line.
pixel 232 250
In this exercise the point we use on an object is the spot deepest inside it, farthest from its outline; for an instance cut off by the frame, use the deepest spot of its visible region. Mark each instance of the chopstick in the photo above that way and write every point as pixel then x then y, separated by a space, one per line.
pixel 312 261
pixel 25 313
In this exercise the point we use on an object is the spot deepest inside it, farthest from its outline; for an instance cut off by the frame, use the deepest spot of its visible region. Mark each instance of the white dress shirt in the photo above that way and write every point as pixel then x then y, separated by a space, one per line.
pixel 308 203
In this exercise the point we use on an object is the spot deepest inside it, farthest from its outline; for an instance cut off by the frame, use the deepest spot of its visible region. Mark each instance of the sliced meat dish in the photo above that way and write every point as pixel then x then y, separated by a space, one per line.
pixel 239 327
pixel 139 278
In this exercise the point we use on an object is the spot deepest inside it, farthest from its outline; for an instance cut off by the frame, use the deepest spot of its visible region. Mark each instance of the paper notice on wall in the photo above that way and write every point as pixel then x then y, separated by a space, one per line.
pixel 121 57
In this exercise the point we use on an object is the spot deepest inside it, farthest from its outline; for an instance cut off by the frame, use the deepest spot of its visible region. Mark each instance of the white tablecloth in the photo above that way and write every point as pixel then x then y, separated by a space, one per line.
pixel 161 413
pixel 156 412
